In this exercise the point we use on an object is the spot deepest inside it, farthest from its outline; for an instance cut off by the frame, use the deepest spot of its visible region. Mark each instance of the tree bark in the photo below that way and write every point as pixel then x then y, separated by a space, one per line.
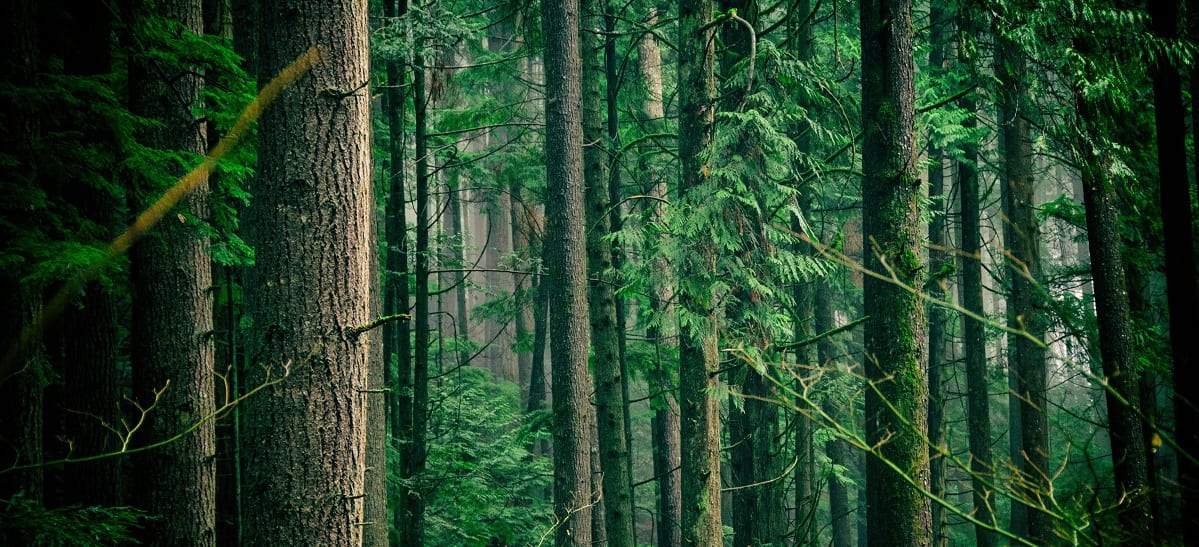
pixel 397 335
pixel 311 225
pixel 172 329
pixel 566 260
pixel 1177 221
pixel 895 346
pixel 940 267
pixel 617 484
pixel 698 351
pixel 978 408
pixel 1022 237
pixel 838 450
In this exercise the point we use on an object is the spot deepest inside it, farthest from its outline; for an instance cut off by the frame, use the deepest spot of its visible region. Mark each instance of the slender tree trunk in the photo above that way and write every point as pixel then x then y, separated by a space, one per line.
pixel 311 225
pixel 895 347
pixel 1115 335
pixel 1022 237
pixel 172 329
pixel 978 408
pixel 698 351
pixel 417 450
pixel 566 260
pixel 1183 295
pixel 837 449
pixel 940 267
pixel 617 484
pixel 665 427
pixel 397 343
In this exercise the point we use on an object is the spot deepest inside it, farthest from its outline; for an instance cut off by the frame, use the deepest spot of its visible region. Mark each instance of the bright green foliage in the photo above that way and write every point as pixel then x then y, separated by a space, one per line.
pixel 483 484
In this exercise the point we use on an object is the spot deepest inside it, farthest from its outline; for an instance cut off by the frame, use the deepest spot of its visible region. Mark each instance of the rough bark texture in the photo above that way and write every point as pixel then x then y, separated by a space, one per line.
pixel 566 259
pixel 617 484
pixel 978 408
pixel 895 345
pixel 1115 334
pixel 311 224
pixel 172 327
pixel 698 352
pixel 1022 238
pixel 1180 257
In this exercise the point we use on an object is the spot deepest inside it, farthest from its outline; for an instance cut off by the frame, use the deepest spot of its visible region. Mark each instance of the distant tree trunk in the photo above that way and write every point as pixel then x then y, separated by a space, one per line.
pixel 396 335
pixel 311 224
pixel 837 449
pixel 1022 237
pixel 665 427
pixel 1115 335
pixel 1183 295
pixel 522 246
pixel 940 268
pixel 172 329
pixel 698 351
pixel 895 347
pixel 617 484
pixel 978 408
pixel 566 260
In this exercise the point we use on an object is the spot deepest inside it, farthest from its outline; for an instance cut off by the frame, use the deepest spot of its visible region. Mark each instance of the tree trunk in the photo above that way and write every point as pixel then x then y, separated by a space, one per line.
pixel 838 450
pixel 940 268
pixel 311 225
pixel 1115 335
pixel 396 335
pixel 698 351
pixel 895 347
pixel 978 408
pixel 617 484
pixel 665 427
pixel 566 260
pixel 172 329
pixel 1183 294
pixel 1022 237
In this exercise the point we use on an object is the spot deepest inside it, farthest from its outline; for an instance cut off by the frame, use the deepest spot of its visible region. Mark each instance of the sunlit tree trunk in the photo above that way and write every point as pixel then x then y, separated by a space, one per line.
pixel 312 227
pixel 895 346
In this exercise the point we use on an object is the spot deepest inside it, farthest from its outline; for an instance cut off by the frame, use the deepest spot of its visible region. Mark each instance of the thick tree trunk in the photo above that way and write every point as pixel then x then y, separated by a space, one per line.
pixel 311 225
pixel 698 351
pixel 1183 294
pixel 566 260
pixel 895 347
pixel 172 328
pixel 617 484
pixel 1022 237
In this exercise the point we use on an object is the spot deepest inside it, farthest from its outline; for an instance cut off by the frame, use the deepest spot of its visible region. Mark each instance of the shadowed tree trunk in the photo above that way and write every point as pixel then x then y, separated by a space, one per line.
pixel 838 450
pixel 311 224
pixel 617 485
pixel 1183 294
pixel 172 328
pixel 566 260
pixel 978 410
pixel 698 351
pixel 895 346
pixel 1022 238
